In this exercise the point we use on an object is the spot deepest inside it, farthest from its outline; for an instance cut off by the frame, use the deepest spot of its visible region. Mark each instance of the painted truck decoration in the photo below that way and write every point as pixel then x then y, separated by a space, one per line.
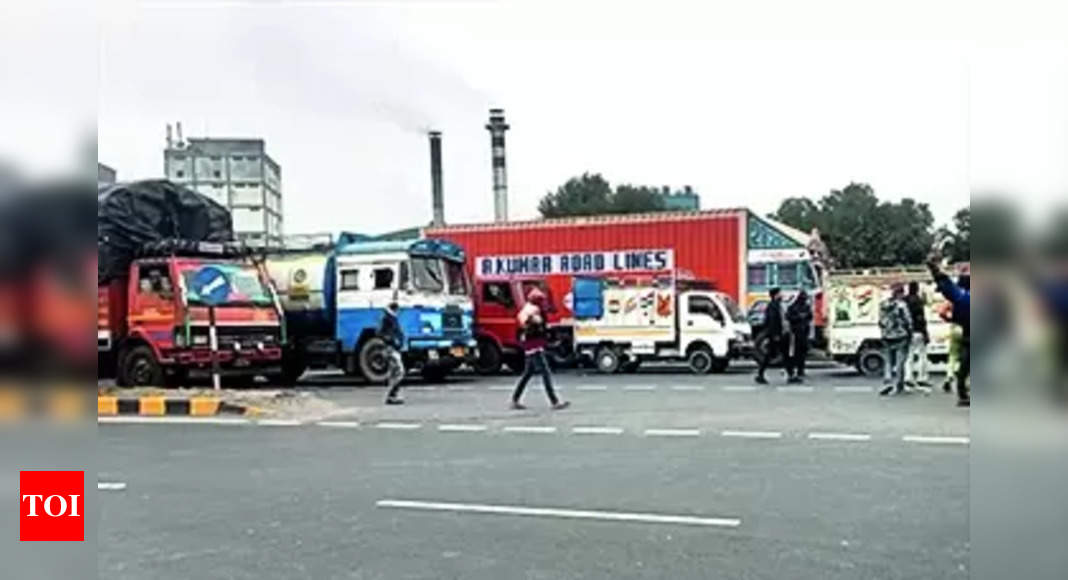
pixel 622 321
pixel 334 301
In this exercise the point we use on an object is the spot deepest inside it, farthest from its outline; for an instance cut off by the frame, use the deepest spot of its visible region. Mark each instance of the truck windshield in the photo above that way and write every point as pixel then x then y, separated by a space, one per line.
pixel 427 275
pixel 457 278
pixel 245 284
pixel 733 310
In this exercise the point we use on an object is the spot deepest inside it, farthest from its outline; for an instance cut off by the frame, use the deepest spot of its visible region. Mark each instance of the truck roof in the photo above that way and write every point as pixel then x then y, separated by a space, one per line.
pixel 425 247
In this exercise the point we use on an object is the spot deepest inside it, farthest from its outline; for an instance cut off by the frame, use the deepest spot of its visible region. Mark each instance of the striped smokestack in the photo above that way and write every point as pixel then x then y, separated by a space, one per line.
pixel 437 194
pixel 497 127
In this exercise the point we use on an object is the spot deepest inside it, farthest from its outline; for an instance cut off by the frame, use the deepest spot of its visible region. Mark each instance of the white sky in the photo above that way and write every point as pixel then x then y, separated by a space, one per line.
pixel 748 104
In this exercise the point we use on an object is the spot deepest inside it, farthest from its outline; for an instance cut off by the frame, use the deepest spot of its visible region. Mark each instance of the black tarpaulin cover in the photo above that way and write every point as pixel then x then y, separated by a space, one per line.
pixel 131 214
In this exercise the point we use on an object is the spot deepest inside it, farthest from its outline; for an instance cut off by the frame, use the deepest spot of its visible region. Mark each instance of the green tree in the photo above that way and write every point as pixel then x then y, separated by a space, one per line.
pixel 859 230
pixel 636 199
pixel 589 194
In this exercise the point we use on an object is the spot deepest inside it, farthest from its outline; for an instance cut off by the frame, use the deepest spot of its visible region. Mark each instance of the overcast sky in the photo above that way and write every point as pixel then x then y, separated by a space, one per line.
pixel 746 109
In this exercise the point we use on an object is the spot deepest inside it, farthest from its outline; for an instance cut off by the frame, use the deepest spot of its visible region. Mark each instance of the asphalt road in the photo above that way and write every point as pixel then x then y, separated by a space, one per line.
pixel 653 475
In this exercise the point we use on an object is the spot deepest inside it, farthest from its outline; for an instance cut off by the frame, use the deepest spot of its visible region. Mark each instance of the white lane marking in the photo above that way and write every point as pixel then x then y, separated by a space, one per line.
pixel 796 389
pixel 840 436
pixel 529 429
pixel 597 430
pixel 688 388
pixel 854 389
pixel 396 426
pixel 639 388
pixel 278 423
pixel 753 434
pixel 339 424
pixel 501 388
pixel 460 388
pixel 421 388
pixel 936 439
pixel 559 513
pixel 672 432
pixel 591 388
pixel 740 389
pixel 175 420
pixel 457 428
pixel 110 486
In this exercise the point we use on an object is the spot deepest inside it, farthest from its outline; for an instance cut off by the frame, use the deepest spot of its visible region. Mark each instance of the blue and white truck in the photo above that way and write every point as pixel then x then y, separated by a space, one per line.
pixel 334 299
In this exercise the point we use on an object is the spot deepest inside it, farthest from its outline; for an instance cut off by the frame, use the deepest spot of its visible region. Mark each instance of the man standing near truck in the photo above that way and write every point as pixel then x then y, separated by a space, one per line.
pixel 774 334
pixel 389 330
pixel 895 323
pixel 916 372
pixel 533 335
pixel 799 315
pixel 959 295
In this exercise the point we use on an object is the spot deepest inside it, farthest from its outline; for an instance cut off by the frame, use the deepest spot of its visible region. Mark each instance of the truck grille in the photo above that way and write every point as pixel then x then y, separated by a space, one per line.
pixel 248 336
pixel 452 319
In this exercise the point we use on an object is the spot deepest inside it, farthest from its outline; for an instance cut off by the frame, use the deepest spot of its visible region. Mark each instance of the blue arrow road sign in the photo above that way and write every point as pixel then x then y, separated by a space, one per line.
pixel 212 285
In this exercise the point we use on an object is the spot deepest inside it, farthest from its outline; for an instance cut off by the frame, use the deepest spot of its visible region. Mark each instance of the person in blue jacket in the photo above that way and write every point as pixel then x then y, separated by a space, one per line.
pixel 959 295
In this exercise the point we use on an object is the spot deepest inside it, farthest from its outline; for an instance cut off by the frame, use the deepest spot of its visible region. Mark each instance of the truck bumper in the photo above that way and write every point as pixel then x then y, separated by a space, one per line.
pixel 197 362
pixel 741 348
pixel 444 352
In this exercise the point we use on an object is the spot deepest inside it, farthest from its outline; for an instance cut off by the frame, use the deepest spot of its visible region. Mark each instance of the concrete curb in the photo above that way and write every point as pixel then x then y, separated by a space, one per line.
pixel 107 406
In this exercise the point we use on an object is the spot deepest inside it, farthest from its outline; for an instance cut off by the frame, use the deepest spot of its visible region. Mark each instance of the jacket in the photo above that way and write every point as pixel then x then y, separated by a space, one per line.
pixel 389 330
pixel 532 330
pixel 895 322
pixel 799 315
pixel 774 323
pixel 961 300
pixel 918 312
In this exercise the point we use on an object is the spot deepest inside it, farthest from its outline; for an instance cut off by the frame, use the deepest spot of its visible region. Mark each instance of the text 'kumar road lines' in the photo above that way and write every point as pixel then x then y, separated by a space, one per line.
pixel 559 513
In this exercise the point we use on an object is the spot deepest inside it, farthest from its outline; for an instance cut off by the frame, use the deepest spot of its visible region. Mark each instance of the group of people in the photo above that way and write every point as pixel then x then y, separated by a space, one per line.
pixel 786 333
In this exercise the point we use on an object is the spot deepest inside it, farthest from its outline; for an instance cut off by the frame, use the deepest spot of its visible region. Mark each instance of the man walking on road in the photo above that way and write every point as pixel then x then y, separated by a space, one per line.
pixel 799 315
pixel 774 334
pixel 895 323
pixel 390 332
pixel 533 338
pixel 959 295
pixel 916 371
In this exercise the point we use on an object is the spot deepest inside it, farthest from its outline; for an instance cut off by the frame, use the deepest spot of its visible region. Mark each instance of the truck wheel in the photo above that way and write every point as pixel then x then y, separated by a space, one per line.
pixel 292 370
pixel 138 368
pixel 632 365
pixel 871 362
pixel 374 360
pixel 720 364
pixel 700 361
pixel 489 357
pixel 608 360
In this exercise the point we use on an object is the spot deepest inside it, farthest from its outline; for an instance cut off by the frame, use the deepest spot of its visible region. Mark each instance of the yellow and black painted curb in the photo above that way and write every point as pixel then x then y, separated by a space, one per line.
pixel 157 406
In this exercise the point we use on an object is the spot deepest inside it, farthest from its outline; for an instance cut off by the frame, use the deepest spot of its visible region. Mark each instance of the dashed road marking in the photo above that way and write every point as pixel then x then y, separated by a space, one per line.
pixel 501 388
pixel 854 389
pixel 529 429
pixel 175 420
pixel 460 388
pixel 645 388
pixel 110 486
pixel 942 440
pixel 597 430
pixel 421 388
pixel 740 388
pixel 840 436
pixel 687 388
pixel 648 518
pixel 397 426
pixel 672 432
pixel 278 423
pixel 752 434
pixel 796 389
pixel 461 428
pixel 591 388
pixel 339 424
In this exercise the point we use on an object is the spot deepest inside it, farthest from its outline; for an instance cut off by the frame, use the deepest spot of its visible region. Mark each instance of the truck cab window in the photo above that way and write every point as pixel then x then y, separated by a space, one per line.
pixel 758 276
pixel 704 305
pixel 383 278
pixel 499 293
pixel 155 280
pixel 404 277
pixel 787 274
pixel 350 279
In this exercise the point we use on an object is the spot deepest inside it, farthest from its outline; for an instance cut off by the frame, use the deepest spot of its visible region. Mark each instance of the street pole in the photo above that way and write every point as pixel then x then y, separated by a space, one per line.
pixel 213 339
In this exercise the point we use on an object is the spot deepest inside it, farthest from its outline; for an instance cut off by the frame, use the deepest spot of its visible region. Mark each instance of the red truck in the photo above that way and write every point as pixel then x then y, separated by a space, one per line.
pixel 738 251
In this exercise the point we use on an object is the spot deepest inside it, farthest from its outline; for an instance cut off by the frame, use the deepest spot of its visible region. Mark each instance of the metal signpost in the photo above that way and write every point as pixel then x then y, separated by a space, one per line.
pixel 212 286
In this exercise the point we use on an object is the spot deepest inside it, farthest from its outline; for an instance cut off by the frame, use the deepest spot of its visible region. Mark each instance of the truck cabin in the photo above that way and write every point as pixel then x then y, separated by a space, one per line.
pixel 508 295
pixel 425 267
pixel 790 277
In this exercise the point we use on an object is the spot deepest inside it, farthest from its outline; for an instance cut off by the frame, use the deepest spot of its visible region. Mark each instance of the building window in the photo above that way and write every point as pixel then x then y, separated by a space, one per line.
pixel 217 174
pixel 239 185
pixel 179 174
pixel 215 158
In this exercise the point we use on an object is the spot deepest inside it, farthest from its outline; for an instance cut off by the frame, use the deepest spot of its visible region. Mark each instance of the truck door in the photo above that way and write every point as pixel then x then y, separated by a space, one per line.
pixel 154 295
pixel 703 321
pixel 497 311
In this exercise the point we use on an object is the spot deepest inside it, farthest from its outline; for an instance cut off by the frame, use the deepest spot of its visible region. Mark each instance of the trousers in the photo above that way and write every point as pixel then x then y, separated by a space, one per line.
pixel 536 364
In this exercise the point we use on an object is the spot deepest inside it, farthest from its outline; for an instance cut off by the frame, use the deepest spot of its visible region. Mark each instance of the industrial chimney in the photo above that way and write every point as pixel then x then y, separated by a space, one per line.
pixel 438 198
pixel 497 127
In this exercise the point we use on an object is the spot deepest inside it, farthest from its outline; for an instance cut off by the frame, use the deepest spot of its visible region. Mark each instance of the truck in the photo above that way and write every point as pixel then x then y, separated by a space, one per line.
pixel 334 299
pixel 621 322
pixel 854 338
pixel 739 252
pixel 152 326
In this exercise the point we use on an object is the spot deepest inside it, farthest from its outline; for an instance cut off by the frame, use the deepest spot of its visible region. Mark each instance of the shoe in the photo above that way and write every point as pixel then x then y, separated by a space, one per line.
pixel 947 387
pixel 561 405
pixel 394 401
pixel 925 384
pixel 761 380
pixel 886 391
pixel 517 406
pixel 964 403
pixel 795 380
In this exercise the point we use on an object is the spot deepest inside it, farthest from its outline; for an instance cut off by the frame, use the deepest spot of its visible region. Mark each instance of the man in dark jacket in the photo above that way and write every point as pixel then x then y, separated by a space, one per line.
pixel 959 295
pixel 774 333
pixel 389 330
pixel 799 315
pixel 916 365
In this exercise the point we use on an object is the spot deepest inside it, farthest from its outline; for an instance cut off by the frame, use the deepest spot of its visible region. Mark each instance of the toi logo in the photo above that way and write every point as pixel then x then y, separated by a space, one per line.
pixel 51 506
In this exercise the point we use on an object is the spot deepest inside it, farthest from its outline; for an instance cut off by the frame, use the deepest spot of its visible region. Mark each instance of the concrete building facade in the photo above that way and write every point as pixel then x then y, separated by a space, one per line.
pixel 685 200
pixel 238 174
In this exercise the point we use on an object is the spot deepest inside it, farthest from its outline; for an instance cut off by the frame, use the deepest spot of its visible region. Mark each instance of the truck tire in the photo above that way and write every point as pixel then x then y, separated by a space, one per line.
pixel 720 364
pixel 632 364
pixel 871 362
pixel 372 360
pixel 293 368
pixel 701 360
pixel 490 358
pixel 138 367
pixel 608 360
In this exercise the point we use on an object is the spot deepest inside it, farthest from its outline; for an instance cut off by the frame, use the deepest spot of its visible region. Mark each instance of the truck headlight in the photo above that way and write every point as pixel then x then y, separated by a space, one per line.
pixel 200 340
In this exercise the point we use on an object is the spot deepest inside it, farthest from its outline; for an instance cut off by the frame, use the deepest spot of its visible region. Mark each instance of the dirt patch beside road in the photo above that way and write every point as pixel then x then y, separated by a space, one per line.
pixel 289 404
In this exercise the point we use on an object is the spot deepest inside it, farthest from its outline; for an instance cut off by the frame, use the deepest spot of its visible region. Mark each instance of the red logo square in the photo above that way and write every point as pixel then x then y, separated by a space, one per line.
pixel 51 506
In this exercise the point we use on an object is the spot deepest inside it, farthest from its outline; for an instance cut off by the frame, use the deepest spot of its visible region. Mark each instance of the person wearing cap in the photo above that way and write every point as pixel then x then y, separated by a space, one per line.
pixel 775 334
pixel 389 330
pixel 895 324
pixel 959 295
pixel 916 371
pixel 533 336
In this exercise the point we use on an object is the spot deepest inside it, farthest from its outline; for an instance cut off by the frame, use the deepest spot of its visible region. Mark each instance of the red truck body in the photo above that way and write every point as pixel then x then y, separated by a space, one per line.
pixel 705 245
